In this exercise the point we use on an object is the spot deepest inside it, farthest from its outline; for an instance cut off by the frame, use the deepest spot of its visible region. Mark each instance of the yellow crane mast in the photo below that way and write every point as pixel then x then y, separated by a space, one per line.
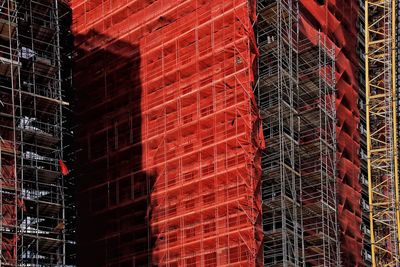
pixel 383 183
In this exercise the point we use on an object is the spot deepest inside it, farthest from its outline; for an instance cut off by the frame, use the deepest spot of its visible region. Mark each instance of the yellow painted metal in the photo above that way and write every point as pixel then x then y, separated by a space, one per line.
pixel 382 158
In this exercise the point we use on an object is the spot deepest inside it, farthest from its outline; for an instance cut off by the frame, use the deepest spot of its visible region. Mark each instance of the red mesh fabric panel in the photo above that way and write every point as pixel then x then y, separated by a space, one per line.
pixel 9 202
pixel 169 166
pixel 337 20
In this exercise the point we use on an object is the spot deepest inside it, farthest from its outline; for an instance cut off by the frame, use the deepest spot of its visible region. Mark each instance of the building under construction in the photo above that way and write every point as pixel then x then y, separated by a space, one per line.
pixel 32 195
pixel 202 133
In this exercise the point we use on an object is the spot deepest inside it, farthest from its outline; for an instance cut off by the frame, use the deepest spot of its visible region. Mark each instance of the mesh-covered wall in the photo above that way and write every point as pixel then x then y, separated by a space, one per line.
pixel 337 19
pixel 169 164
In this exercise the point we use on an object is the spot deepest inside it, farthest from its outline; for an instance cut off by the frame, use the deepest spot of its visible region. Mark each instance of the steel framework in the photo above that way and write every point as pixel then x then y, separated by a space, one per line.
pixel 317 114
pixel 170 167
pixel 9 148
pixel 32 227
pixel 278 96
pixel 382 158
pixel 296 90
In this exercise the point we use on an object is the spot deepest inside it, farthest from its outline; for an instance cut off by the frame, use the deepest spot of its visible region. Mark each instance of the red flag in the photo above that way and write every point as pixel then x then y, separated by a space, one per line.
pixel 21 204
pixel 63 167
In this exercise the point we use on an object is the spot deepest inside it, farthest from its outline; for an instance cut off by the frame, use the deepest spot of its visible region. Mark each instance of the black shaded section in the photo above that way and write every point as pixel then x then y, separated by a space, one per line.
pixel 66 42
pixel 113 195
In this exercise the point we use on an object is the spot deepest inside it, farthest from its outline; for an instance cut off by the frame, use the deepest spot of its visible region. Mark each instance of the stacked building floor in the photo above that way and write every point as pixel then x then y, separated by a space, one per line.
pixel 32 224
pixel 170 161
pixel 182 98
pixel 338 21
pixel 200 133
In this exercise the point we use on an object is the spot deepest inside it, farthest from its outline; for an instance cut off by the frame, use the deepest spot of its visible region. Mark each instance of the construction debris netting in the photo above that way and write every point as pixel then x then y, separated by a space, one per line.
pixel 337 19
pixel 169 133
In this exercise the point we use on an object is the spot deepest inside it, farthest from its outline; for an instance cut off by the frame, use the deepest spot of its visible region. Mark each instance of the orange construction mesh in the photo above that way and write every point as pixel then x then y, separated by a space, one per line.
pixel 168 134
pixel 339 24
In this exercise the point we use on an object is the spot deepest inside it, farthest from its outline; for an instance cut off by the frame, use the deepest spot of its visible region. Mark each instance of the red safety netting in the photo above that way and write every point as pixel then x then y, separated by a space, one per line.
pixel 339 24
pixel 168 135
pixel 9 202
pixel 7 165
pixel 9 248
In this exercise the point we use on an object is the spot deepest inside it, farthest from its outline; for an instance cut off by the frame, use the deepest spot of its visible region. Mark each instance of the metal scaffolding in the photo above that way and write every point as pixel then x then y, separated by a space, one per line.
pixel 32 187
pixel 365 227
pixel 317 114
pixel 170 166
pixel 296 95
pixel 278 101
pixel 381 122
pixel 9 148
